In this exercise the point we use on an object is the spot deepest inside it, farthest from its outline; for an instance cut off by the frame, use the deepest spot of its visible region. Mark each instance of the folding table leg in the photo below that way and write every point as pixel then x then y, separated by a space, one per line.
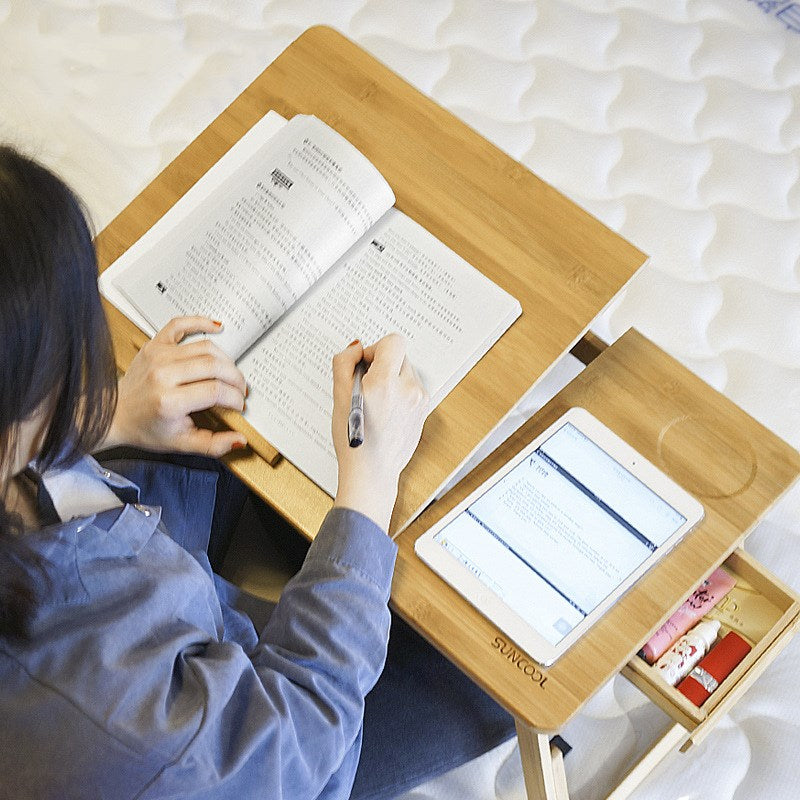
pixel 542 765
pixel 666 744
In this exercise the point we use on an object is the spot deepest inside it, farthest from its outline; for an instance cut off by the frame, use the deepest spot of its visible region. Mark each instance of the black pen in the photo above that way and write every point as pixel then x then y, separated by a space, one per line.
pixel 355 422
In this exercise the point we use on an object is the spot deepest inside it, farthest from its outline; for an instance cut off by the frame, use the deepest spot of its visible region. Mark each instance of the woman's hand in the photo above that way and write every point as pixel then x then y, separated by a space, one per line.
pixel 168 381
pixel 395 407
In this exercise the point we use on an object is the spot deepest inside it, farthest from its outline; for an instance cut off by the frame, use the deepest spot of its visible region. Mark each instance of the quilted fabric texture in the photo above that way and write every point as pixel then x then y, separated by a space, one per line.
pixel 675 122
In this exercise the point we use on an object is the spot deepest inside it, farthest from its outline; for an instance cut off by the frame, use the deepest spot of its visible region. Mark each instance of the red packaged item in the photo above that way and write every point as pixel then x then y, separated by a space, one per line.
pixel 720 661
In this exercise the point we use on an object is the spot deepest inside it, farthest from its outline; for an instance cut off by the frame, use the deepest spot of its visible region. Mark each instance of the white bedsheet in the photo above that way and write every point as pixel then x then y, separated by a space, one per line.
pixel 674 121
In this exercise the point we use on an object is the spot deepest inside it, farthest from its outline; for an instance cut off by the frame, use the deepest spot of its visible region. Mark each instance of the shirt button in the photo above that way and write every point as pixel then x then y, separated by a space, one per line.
pixel 139 507
pixel 105 473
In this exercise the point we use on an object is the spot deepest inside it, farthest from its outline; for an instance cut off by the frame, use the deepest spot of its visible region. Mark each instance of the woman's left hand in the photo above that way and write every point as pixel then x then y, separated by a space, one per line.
pixel 166 382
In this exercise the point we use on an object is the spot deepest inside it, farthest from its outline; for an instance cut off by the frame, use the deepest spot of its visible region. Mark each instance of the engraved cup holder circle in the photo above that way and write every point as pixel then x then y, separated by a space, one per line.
pixel 707 458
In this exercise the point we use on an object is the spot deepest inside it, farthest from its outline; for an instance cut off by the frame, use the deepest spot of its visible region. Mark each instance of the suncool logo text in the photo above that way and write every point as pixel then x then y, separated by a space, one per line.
pixel 522 662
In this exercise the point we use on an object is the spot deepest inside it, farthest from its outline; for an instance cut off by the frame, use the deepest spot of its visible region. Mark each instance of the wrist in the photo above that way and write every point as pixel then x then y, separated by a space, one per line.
pixel 113 438
pixel 372 498
pixel 119 433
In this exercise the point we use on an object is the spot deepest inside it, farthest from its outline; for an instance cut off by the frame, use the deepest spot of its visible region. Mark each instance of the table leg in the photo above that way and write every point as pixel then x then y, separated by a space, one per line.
pixel 542 765
pixel 666 744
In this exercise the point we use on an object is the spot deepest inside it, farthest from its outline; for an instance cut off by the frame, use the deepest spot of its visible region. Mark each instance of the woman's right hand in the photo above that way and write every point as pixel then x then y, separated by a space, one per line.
pixel 395 407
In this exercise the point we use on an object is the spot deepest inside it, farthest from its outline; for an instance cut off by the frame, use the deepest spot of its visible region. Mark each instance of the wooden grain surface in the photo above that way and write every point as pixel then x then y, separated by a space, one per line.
pixel 562 264
pixel 735 466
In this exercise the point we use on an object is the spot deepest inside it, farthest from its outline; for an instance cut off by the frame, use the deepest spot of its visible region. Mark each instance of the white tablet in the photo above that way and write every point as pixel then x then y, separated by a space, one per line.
pixel 555 537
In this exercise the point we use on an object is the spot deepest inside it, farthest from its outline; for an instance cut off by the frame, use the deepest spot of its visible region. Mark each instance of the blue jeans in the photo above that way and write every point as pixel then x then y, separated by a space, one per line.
pixel 424 717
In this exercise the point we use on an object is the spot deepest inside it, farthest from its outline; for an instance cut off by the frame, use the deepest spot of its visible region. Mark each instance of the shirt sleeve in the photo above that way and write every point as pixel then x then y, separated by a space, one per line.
pixel 282 720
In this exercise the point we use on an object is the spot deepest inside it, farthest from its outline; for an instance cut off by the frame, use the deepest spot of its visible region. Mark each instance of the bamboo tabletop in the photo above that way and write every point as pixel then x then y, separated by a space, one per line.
pixel 561 263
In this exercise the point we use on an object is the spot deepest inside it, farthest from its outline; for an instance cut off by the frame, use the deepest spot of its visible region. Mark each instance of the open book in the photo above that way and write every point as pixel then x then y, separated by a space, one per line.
pixel 292 241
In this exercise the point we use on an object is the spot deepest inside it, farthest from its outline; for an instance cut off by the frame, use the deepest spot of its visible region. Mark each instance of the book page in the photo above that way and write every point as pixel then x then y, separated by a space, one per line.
pixel 269 232
pixel 398 278
pixel 248 146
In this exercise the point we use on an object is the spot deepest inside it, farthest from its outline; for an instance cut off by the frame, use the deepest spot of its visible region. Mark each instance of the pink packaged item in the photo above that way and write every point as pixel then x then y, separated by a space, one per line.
pixel 705 597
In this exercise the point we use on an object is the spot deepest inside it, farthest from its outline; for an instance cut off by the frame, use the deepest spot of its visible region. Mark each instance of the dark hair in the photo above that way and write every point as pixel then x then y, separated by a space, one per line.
pixel 56 351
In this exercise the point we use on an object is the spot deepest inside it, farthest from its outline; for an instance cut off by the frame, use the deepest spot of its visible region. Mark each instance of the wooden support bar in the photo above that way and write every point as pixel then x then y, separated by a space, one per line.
pixel 673 737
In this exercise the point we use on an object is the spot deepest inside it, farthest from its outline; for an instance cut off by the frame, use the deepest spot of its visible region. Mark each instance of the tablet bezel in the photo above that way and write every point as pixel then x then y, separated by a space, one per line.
pixel 490 605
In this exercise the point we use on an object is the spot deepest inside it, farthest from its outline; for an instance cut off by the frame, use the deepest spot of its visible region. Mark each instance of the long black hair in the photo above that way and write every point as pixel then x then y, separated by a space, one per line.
pixel 55 347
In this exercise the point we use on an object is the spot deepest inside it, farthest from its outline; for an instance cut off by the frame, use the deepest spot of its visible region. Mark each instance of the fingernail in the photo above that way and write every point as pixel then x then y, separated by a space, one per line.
pixel 246 390
pixel 355 341
pixel 217 323
pixel 238 445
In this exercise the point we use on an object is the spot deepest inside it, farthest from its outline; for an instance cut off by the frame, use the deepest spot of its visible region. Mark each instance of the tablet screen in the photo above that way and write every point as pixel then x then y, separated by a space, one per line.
pixel 560 532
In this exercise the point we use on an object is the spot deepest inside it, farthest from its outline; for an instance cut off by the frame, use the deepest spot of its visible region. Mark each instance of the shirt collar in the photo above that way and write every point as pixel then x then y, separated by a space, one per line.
pixel 127 491
pixel 107 534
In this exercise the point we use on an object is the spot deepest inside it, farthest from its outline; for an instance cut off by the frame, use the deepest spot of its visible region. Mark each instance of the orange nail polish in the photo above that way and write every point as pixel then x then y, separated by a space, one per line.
pixel 246 391
pixel 217 323
pixel 355 341
pixel 238 446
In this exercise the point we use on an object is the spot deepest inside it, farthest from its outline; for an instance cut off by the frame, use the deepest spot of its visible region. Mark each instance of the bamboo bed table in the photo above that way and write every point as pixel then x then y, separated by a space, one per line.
pixel 564 267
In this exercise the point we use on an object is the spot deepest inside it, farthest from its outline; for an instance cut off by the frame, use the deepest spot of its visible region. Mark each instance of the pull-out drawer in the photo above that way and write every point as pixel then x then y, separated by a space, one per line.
pixel 762 609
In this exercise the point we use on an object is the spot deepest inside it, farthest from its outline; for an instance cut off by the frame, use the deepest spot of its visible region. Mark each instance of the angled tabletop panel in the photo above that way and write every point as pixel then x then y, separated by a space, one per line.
pixel 562 264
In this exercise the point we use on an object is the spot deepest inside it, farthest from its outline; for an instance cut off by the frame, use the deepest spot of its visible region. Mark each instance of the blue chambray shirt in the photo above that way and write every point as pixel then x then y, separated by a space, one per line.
pixel 141 679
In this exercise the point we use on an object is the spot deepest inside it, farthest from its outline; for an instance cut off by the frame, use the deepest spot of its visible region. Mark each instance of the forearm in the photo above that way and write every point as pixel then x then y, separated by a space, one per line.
pixel 327 640
pixel 346 577
pixel 304 682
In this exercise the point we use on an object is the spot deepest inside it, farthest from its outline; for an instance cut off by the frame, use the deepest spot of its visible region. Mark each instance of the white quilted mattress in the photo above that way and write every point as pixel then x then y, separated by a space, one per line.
pixel 674 121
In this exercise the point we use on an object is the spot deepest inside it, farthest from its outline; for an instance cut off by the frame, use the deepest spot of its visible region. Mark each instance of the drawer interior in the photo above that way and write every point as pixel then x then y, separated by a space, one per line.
pixel 761 609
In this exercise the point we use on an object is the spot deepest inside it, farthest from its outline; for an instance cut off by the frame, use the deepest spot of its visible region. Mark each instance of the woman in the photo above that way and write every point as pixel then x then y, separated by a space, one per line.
pixel 127 667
